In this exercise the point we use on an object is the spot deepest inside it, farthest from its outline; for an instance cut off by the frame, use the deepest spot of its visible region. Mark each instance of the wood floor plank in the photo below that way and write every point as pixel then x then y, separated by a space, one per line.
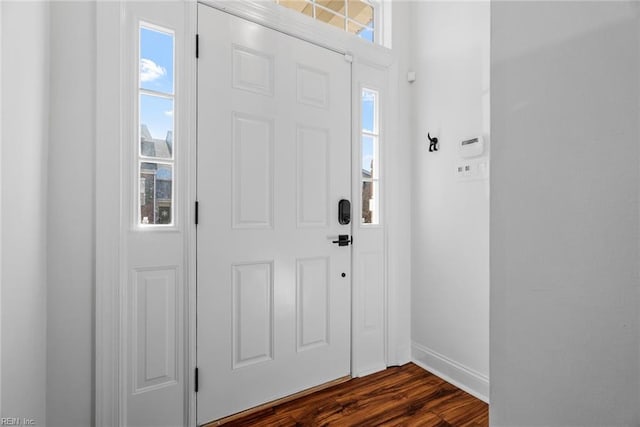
pixel 399 396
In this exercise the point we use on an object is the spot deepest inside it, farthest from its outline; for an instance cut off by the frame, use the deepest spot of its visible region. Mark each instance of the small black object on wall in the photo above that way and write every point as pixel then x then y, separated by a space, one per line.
pixel 433 143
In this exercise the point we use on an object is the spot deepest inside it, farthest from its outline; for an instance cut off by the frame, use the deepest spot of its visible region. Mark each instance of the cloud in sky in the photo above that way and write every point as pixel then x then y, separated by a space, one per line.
pixel 168 113
pixel 150 71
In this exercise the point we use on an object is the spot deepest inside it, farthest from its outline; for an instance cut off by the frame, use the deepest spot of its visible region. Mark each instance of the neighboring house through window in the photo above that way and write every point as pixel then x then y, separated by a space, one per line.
pixel 156 123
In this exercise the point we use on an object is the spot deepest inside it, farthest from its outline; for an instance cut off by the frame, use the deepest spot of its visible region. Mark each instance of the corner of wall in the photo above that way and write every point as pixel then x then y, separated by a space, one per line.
pixel 399 190
pixel 451 371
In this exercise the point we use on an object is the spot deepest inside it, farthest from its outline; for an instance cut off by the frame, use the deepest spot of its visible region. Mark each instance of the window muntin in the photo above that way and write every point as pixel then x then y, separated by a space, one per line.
pixel 353 16
pixel 370 157
pixel 156 126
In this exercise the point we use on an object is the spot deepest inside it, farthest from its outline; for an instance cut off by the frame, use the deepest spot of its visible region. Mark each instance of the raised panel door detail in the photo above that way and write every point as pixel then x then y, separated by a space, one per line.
pixel 313 176
pixel 271 170
pixel 252 172
pixel 252 71
pixel 313 87
pixel 252 313
pixel 155 308
pixel 312 288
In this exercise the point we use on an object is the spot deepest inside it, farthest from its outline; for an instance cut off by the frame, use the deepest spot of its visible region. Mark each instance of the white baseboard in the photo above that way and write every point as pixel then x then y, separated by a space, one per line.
pixel 451 371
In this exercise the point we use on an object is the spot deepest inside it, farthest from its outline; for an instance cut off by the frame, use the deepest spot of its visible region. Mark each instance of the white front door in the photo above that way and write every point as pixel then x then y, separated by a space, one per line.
pixel 273 291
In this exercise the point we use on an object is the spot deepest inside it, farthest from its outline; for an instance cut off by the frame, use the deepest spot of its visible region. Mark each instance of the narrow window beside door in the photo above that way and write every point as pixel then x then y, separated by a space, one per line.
pixel 370 156
pixel 156 124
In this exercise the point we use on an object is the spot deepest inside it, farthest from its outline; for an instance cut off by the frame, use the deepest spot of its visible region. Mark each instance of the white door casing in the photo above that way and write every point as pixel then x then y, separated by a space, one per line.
pixel 274 309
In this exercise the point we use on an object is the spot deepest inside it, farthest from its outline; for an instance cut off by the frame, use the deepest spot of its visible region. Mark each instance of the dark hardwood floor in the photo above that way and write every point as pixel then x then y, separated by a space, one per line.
pixel 400 396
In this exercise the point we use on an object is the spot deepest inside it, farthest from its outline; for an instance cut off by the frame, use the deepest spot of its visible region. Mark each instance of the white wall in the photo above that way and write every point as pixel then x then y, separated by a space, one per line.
pixel 564 213
pixel 71 287
pixel 25 30
pixel 450 246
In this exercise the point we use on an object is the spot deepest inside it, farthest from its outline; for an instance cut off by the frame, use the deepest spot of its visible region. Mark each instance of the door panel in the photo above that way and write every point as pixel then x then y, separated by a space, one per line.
pixel 252 166
pixel 274 309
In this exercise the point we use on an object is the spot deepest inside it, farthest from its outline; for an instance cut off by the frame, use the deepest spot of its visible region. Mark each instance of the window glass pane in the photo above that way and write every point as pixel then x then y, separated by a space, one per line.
pixel 156 189
pixel 366 34
pixel 370 157
pixel 361 12
pixel 301 6
pixel 335 20
pixel 369 111
pixel 156 60
pixel 329 17
pixel 354 16
pixel 156 126
pixel 336 6
pixel 370 202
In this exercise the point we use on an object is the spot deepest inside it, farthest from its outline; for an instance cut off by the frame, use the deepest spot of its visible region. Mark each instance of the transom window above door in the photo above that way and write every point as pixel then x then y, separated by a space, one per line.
pixel 357 17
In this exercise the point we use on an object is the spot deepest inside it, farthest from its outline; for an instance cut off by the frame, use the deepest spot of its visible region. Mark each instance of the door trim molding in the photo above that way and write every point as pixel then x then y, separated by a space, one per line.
pixel 190 261
pixel 109 23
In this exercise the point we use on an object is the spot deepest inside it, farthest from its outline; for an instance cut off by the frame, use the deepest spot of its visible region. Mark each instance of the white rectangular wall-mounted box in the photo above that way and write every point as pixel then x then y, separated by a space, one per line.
pixel 473 147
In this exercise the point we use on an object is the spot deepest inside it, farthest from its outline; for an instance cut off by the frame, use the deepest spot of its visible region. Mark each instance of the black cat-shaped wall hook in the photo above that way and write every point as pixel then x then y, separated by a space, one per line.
pixel 433 143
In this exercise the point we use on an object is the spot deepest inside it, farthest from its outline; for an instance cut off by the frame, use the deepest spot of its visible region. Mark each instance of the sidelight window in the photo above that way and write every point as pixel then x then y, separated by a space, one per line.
pixel 370 157
pixel 156 125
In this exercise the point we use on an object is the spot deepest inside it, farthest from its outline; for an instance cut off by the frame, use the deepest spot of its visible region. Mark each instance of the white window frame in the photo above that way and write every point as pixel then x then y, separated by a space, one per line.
pixel 171 161
pixel 377 18
pixel 375 133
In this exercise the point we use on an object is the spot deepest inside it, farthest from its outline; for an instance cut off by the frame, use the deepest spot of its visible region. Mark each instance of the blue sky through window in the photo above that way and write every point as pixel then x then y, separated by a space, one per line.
pixel 367 156
pixel 156 73
pixel 366 33
pixel 156 123
pixel 156 60
pixel 368 115
pixel 156 114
